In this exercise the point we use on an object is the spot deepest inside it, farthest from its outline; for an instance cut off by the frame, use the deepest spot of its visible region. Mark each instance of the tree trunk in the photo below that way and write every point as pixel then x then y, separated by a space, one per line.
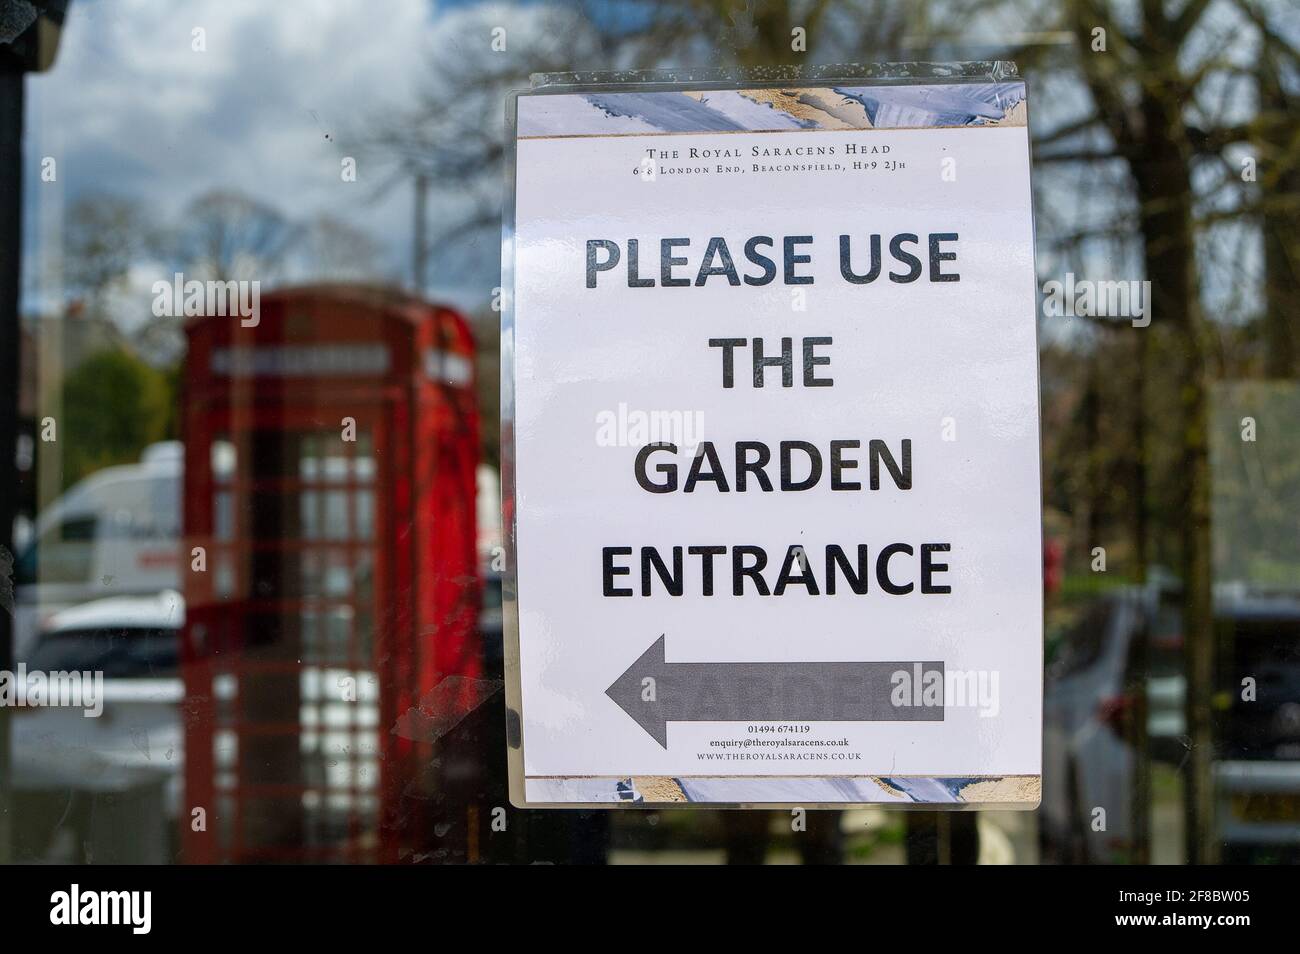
pixel 1281 232
pixel 1141 523
pixel 1162 172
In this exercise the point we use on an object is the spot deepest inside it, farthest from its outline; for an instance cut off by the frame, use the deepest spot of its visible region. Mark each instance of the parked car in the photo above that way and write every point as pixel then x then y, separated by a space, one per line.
pixel 114 780
pixel 1127 644
pixel 1124 655
pixel 1257 773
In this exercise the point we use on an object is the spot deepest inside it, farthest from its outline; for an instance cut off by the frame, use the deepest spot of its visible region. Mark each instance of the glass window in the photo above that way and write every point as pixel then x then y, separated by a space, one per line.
pixel 261 289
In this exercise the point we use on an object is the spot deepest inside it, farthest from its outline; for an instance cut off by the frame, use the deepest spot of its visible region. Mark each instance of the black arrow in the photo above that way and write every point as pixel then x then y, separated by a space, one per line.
pixel 655 692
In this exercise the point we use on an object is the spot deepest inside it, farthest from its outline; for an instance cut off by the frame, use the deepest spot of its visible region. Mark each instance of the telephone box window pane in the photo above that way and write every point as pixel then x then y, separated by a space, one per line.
pixel 365 515
pixel 335 467
pixel 311 638
pixel 225 688
pixel 224 516
pixel 282 454
pixel 323 458
pixel 275 516
pixel 312 574
pixel 365 625
pixel 308 466
pixel 223 457
pixel 308 507
pixel 327 575
pixel 311 683
pixel 363 461
pixel 339 632
pixel 336 515
pixel 225 746
pixel 332 515
pixel 364 578
pixel 310 717
pixel 338 582
pixel 224 826
pixel 327 634
pixel 224 578
pixel 272 635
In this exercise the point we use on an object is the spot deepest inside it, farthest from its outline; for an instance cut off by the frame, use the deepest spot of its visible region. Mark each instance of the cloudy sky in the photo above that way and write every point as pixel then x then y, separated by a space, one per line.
pixel 270 107
pixel 283 91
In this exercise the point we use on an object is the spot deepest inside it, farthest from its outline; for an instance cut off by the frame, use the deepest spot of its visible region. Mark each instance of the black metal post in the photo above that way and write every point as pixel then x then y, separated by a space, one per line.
pixel 11 204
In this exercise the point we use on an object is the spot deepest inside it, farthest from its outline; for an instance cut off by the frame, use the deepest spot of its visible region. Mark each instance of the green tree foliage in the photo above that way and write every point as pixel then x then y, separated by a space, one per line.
pixel 114 405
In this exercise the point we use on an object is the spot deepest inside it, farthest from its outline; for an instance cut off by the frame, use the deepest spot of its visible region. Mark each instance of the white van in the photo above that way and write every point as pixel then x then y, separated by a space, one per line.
pixel 118 533
pixel 115 533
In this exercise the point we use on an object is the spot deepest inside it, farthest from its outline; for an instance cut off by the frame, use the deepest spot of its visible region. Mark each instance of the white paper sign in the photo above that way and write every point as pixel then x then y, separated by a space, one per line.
pixel 776 447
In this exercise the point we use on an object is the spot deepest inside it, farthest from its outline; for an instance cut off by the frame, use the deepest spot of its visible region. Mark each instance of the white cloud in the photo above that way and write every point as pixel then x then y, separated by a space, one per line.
pixel 266 109
pixel 270 108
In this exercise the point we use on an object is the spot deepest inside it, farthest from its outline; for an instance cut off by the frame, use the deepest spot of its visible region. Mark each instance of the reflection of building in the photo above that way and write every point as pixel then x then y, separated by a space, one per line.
pixel 332 588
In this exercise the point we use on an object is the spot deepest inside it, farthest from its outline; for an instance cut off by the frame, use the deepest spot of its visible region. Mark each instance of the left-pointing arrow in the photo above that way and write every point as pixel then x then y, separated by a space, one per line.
pixel 655 692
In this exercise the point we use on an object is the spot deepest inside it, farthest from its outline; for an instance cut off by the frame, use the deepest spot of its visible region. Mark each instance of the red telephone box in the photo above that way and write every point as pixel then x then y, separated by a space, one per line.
pixel 330 578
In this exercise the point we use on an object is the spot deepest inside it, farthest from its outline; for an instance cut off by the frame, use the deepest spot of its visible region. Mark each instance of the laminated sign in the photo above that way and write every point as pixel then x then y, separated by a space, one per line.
pixel 771 444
